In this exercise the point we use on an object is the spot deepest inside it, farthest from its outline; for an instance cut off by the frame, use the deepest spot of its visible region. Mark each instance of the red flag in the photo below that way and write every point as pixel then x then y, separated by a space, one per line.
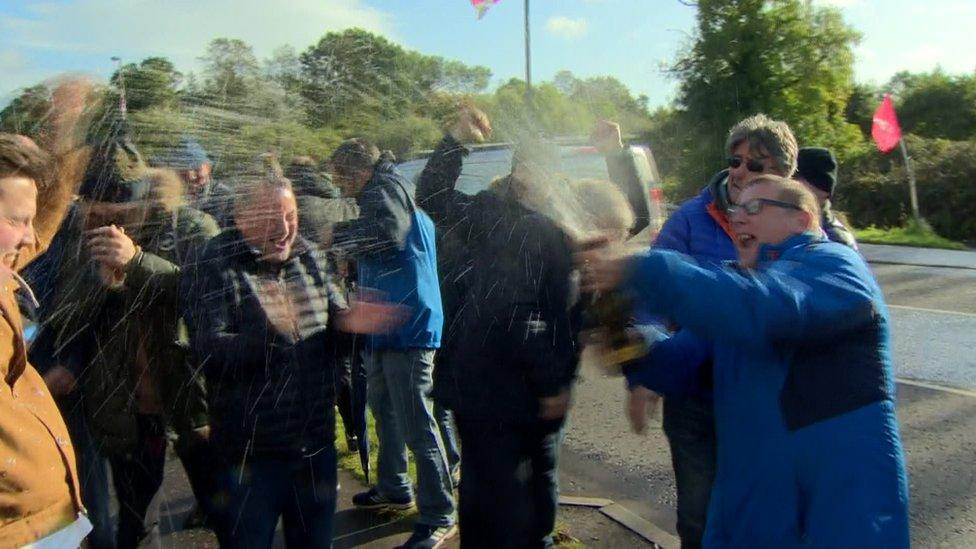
pixel 483 5
pixel 885 129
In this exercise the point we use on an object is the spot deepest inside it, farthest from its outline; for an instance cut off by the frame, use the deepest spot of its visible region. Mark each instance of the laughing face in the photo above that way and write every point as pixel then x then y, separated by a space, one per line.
pixel 18 205
pixel 740 176
pixel 762 218
pixel 269 222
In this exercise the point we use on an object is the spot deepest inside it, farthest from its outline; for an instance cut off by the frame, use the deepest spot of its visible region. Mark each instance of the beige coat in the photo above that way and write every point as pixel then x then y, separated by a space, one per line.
pixel 39 491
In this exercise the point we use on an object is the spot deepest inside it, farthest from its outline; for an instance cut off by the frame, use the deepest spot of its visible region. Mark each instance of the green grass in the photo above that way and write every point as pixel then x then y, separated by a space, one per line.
pixel 913 233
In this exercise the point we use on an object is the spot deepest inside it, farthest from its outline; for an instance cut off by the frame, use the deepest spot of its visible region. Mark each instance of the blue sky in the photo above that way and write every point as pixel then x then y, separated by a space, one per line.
pixel 628 39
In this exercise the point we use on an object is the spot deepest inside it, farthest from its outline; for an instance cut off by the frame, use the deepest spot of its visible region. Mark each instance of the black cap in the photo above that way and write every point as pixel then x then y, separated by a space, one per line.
pixel 818 167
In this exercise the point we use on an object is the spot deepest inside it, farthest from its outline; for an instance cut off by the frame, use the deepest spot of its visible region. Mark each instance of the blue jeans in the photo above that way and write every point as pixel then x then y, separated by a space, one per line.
pixel 255 492
pixel 398 385
pixel 689 424
pixel 509 483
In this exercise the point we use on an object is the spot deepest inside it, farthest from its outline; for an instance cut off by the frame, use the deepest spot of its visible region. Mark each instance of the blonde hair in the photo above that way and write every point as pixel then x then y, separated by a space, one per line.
pixel 793 192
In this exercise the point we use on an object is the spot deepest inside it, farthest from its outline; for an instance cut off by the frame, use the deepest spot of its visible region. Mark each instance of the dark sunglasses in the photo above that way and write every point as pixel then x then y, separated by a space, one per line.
pixel 754 206
pixel 755 166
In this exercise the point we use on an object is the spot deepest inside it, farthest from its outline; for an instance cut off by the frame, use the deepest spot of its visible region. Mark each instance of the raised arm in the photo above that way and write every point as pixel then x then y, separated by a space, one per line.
pixel 435 189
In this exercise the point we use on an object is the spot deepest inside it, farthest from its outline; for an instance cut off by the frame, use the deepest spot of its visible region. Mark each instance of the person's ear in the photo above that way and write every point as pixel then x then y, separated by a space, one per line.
pixel 803 221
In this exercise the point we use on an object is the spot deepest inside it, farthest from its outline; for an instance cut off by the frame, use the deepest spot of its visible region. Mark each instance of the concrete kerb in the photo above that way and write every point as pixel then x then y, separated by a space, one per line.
pixel 920 257
pixel 626 518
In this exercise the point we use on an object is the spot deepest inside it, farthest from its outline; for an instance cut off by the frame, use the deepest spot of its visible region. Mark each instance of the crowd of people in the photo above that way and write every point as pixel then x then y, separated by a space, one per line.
pixel 232 319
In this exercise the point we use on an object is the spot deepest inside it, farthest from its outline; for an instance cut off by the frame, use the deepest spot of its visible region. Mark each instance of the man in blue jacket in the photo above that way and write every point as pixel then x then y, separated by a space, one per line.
pixel 393 244
pixel 701 229
pixel 809 452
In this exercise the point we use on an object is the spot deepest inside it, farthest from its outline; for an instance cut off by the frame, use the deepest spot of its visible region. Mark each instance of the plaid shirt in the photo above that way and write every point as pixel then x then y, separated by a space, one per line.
pixel 260 331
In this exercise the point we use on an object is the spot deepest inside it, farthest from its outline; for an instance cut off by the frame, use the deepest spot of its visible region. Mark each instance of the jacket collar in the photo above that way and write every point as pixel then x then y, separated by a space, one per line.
pixel 772 252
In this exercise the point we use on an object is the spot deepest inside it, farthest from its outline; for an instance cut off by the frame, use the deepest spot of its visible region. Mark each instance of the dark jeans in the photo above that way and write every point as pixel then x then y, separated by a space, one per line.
pixel 255 492
pixel 92 473
pixel 689 424
pixel 445 423
pixel 342 378
pixel 137 477
pixel 200 463
pixel 509 483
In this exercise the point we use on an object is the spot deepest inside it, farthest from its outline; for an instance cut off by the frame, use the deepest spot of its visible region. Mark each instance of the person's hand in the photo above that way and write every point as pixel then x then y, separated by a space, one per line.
pixel 111 247
pixel 602 267
pixel 371 317
pixel 472 126
pixel 641 403
pixel 555 407
pixel 60 381
pixel 606 137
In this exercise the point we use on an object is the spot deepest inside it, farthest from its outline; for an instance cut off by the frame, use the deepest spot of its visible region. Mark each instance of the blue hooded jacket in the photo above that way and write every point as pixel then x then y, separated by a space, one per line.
pixel 393 243
pixel 809 452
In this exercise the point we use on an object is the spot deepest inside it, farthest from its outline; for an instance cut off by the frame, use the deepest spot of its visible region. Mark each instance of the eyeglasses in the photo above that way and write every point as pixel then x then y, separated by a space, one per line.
pixel 755 166
pixel 754 206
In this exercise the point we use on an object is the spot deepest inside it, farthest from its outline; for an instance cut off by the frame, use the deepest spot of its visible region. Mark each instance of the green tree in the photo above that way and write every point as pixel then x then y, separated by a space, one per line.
pixel 230 69
pixel 456 77
pixel 151 83
pixel 27 111
pixel 789 59
pixel 936 104
pixel 862 102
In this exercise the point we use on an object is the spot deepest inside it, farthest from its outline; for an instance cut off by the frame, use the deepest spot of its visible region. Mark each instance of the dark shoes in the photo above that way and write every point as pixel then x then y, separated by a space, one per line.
pixel 429 537
pixel 373 500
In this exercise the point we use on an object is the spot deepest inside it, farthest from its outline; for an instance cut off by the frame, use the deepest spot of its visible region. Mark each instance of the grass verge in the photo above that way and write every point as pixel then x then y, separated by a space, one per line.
pixel 913 233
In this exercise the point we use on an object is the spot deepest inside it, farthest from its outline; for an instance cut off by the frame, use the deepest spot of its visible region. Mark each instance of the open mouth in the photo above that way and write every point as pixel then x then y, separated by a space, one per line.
pixel 281 244
pixel 746 240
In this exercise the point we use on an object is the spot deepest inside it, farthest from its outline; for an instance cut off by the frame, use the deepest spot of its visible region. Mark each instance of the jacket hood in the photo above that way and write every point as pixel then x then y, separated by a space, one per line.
pixel 718 187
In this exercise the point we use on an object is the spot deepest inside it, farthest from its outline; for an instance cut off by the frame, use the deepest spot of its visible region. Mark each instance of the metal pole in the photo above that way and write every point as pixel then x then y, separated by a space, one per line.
pixel 121 71
pixel 910 167
pixel 528 59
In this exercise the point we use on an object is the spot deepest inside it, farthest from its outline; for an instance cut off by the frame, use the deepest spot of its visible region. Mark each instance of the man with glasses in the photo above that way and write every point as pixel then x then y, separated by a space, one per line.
pixel 797 338
pixel 700 228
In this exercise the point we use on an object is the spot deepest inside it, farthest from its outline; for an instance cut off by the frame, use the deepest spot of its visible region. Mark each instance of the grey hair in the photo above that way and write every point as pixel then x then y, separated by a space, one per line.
pixel 762 132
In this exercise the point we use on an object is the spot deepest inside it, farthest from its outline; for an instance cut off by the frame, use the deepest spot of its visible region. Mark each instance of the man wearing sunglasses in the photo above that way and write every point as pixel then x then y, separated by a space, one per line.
pixel 700 228
pixel 797 337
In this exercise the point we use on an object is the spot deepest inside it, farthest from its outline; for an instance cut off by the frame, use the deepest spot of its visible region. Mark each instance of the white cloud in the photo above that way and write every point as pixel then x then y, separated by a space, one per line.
pixel 565 27
pixel 180 30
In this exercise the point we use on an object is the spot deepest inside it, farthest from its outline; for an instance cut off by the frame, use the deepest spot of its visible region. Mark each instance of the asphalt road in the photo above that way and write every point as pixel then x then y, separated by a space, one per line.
pixel 934 329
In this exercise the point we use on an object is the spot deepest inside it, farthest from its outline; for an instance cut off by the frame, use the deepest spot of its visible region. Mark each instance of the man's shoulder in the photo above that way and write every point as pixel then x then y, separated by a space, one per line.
pixel 223 248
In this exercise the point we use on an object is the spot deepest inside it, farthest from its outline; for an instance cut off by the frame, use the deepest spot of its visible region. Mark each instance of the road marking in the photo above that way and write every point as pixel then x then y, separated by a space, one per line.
pixel 926 310
pixel 934 387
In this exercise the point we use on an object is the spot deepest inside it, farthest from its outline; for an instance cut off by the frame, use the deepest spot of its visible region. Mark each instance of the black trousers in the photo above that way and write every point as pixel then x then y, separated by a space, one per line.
pixel 689 424
pixel 137 477
pixel 509 483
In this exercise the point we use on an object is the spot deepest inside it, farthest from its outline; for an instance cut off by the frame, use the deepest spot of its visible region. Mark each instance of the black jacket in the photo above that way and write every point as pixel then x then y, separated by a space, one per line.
pixel 270 389
pixel 510 333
